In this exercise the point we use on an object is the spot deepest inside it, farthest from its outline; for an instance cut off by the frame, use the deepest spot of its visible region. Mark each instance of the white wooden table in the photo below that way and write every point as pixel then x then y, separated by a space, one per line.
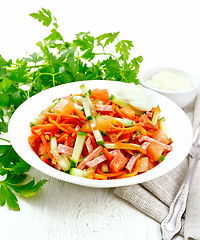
pixel 164 33
pixel 65 211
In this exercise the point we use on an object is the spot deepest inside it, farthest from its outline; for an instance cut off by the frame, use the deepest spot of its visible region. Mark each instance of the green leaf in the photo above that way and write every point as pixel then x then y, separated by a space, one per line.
pixel 107 38
pixel 34 57
pixel 84 41
pixel 21 167
pixel 112 68
pixel 29 189
pixel 3 62
pixel 3 127
pixel 123 48
pixel 43 16
pixel 17 98
pixel 54 36
pixel 5 84
pixel 6 195
pixel 4 99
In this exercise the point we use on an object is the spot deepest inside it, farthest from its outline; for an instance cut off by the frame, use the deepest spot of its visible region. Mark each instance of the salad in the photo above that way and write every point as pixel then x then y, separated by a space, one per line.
pixel 99 136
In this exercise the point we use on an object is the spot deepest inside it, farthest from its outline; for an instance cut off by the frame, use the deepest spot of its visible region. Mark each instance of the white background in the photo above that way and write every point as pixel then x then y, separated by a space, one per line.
pixel 164 33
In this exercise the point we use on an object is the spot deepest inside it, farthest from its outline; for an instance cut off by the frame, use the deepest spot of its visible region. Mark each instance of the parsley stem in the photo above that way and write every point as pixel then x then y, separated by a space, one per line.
pixel 4 139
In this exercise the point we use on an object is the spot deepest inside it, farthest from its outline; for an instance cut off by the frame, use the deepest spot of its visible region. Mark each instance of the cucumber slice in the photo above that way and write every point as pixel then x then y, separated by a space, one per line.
pixel 77 172
pixel 163 125
pixel 38 119
pixel 76 98
pixel 118 101
pixel 155 117
pixel 96 132
pixel 86 95
pixel 78 106
pixel 64 162
pixel 127 122
pixel 54 148
pixel 86 109
pixel 78 147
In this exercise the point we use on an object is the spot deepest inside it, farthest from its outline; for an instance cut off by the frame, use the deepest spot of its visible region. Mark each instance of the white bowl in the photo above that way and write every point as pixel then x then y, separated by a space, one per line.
pixel 176 119
pixel 182 97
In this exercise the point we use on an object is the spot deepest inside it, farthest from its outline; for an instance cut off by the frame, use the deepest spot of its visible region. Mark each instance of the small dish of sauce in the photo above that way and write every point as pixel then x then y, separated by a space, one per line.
pixel 167 80
pixel 177 84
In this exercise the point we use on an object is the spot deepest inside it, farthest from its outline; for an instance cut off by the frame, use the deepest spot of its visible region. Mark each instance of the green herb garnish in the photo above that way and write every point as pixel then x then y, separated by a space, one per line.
pixel 57 62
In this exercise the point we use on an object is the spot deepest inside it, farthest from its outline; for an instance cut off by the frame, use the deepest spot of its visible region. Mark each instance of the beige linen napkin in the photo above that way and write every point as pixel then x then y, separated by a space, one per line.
pixel 154 197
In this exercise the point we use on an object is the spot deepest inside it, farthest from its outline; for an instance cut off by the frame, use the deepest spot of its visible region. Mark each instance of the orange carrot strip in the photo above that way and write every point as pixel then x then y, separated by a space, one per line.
pixel 155 109
pixel 107 154
pixel 94 144
pixel 64 116
pixel 119 134
pixel 62 138
pixel 91 176
pixel 111 175
pixel 43 127
pixel 47 161
pixel 130 146
pixel 100 176
pixel 119 112
pixel 132 174
pixel 108 102
pixel 46 145
pixel 80 114
pixel 61 127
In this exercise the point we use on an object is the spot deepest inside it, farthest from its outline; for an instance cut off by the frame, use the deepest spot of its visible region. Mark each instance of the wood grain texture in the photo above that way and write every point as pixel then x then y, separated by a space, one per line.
pixel 66 211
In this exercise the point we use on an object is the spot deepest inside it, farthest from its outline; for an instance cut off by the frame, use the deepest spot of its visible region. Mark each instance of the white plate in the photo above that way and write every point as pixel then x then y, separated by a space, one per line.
pixel 178 124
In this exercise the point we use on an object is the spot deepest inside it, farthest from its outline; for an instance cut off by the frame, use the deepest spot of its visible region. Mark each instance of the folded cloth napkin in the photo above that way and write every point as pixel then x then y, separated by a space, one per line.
pixel 154 197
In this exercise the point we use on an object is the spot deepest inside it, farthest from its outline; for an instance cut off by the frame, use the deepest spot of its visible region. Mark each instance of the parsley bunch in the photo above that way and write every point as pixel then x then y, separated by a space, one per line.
pixel 104 57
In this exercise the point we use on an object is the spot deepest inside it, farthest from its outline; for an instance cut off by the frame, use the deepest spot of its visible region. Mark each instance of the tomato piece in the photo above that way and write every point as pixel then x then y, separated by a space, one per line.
pixel 118 163
pixel 144 164
pixel 34 140
pixel 161 137
pixel 147 123
pixel 65 106
pixel 100 94
pixel 127 111
pixel 41 149
pixel 155 150
pixel 86 127
pixel 103 123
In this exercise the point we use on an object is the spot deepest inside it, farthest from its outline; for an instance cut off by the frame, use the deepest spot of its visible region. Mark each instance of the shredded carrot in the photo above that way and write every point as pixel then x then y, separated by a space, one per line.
pixel 130 146
pixel 43 127
pixel 119 134
pixel 46 145
pixel 91 176
pixel 111 175
pixel 80 114
pixel 119 112
pixel 68 129
pixel 155 109
pixel 100 176
pixel 131 174
pixel 62 138
pixel 47 161
pixel 107 154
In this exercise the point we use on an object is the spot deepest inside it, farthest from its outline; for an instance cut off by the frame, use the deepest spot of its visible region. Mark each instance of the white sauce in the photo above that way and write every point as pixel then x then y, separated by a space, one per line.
pixel 136 96
pixel 166 80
